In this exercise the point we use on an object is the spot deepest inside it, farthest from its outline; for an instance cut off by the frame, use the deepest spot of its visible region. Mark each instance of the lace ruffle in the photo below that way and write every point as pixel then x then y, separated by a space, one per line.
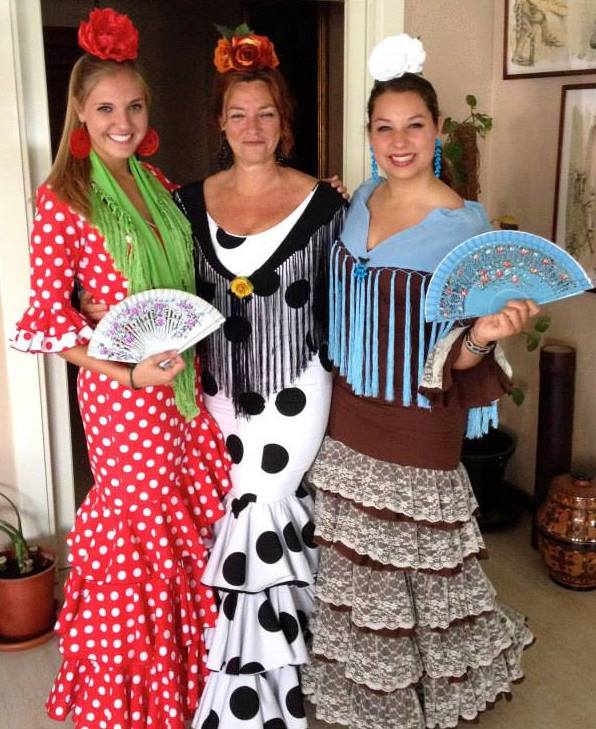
pixel 398 599
pixel 260 632
pixel 263 544
pixel 403 544
pixel 422 494
pixel 273 699
pixel 50 330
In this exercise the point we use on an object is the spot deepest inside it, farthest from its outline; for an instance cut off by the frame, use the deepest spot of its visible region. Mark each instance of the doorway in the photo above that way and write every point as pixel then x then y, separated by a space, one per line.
pixel 308 36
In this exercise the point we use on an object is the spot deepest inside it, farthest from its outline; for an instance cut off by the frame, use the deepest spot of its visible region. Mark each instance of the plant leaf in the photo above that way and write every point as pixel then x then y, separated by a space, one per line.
pixel 242 29
pixel 453 151
pixel 224 31
pixel 532 341
pixel 471 101
pixel 517 395
pixel 19 526
pixel 542 324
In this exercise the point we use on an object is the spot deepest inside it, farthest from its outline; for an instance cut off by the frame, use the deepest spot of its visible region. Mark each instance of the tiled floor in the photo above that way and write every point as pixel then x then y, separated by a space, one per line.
pixel 558 693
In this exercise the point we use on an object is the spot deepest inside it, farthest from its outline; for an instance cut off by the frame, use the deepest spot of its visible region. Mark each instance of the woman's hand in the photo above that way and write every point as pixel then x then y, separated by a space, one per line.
pixel 337 184
pixel 159 369
pixel 512 319
pixel 90 309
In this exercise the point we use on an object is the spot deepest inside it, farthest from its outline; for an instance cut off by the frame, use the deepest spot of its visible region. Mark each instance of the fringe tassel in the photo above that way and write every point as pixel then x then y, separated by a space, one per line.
pixel 407 359
pixel 481 420
pixel 374 386
pixel 389 389
pixel 343 322
pixel 421 400
pixel 368 338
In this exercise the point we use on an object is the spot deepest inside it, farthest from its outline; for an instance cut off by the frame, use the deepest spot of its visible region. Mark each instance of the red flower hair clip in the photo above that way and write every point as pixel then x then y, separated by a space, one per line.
pixel 109 35
pixel 242 50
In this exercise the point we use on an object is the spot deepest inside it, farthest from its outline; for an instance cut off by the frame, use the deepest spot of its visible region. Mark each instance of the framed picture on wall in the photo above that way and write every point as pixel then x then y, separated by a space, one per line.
pixel 574 222
pixel 549 38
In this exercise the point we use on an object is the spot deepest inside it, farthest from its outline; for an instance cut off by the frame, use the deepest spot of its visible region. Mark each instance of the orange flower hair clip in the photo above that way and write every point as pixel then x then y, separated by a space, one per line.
pixel 109 35
pixel 242 50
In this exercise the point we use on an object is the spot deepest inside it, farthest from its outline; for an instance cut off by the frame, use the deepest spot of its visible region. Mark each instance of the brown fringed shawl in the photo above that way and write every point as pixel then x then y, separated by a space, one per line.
pixel 265 343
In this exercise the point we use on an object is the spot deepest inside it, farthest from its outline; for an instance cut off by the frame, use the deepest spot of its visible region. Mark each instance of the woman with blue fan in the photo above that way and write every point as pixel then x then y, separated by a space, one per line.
pixel 407 632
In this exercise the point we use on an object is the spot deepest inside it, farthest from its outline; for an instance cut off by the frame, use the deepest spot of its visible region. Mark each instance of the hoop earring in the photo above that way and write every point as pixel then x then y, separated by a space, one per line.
pixel 79 142
pixel 438 158
pixel 374 167
pixel 225 156
pixel 149 144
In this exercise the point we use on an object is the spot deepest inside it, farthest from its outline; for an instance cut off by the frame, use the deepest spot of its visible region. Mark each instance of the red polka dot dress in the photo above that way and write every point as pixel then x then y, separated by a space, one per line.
pixel 131 629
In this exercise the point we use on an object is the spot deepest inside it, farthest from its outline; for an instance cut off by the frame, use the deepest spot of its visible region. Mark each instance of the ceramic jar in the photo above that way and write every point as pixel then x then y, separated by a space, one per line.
pixel 567 532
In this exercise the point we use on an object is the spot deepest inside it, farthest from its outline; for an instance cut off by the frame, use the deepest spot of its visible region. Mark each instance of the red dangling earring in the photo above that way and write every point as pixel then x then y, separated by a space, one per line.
pixel 79 142
pixel 149 144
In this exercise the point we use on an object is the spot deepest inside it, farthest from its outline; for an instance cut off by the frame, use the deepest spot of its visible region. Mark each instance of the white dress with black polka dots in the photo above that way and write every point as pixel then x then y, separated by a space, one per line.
pixel 264 558
pixel 131 629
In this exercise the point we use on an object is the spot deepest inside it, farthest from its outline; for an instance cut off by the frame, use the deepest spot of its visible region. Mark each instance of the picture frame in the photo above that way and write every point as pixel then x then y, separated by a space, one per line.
pixel 549 38
pixel 574 219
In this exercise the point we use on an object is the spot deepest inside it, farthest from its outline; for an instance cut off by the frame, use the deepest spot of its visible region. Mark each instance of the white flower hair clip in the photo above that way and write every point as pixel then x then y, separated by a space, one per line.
pixel 396 55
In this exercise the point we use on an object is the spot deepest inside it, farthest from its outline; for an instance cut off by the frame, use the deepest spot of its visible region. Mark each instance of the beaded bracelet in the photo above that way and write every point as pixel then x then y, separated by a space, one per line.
pixel 477 349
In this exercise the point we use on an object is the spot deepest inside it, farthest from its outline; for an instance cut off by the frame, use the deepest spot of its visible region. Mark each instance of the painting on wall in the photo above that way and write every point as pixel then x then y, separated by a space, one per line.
pixel 549 38
pixel 574 224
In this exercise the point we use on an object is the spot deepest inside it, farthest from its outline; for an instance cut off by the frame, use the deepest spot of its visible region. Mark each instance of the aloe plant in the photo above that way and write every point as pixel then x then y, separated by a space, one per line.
pixel 21 549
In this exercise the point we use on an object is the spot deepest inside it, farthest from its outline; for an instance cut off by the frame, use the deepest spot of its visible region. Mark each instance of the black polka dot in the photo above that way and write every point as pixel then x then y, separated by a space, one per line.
pixel 238 505
pixel 229 605
pixel 294 702
pixel 265 283
pixel 267 618
pixel 237 329
pixel 275 724
pixel 289 625
pixel 209 384
pixel 301 492
pixel 290 401
pixel 228 241
pixel 206 290
pixel 235 447
pixel 211 722
pixel 297 294
pixel 302 619
pixel 234 568
pixel 275 458
pixel 291 538
pixel 308 532
pixel 251 402
pixel 233 666
pixel 253 667
pixel 244 703
pixel 269 547
pixel 326 363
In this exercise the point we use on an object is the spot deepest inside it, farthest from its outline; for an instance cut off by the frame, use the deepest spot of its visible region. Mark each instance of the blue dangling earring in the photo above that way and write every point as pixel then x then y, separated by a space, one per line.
pixel 374 167
pixel 438 158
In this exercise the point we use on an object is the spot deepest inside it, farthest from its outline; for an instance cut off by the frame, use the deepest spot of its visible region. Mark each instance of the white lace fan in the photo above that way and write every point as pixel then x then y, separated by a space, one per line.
pixel 151 322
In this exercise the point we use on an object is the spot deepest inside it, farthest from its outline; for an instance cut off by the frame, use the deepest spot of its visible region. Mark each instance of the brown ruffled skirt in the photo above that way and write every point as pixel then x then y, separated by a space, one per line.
pixel 407 633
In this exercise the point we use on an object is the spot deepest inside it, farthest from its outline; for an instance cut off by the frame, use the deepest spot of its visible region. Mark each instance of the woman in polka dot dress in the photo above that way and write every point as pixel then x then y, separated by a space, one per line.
pixel 263 233
pixel 131 629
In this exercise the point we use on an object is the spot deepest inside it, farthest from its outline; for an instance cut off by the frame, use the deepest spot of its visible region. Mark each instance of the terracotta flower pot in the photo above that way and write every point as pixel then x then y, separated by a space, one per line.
pixel 27 604
pixel 567 532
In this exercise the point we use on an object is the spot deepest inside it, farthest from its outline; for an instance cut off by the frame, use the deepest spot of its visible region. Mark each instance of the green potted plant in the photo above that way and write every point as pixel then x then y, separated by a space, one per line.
pixel 27 573
pixel 461 148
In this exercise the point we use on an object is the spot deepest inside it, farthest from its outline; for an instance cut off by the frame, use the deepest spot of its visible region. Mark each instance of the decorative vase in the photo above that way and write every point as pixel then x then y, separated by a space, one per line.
pixel 566 524
pixel 27 608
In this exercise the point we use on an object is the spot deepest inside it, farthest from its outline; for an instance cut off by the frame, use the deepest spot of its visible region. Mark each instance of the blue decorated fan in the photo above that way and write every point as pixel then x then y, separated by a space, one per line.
pixel 483 273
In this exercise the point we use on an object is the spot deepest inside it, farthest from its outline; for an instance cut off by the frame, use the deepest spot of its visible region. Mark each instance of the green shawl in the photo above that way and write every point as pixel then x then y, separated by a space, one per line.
pixel 145 260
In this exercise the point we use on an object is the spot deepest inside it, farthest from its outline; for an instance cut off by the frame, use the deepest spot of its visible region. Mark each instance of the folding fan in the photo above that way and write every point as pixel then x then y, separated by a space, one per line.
pixel 151 322
pixel 480 275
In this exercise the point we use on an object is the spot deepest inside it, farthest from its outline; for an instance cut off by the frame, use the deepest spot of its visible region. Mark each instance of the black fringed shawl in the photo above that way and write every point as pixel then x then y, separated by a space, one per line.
pixel 265 343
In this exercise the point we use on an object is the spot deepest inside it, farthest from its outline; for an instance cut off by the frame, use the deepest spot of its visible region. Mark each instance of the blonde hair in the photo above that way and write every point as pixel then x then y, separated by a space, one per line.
pixel 69 176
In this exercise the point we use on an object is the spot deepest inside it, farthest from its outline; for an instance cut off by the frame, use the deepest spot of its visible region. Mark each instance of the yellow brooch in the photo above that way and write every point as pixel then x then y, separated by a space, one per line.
pixel 241 287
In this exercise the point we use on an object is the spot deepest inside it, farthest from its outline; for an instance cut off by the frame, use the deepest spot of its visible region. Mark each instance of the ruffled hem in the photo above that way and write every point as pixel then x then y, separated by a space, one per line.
pixel 262 701
pixel 387 664
pixel 41 330
pixel 161 694
pixel 264 544
pixel 277 620
pixel 399 600
pixel 402 544
pixel 423 495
